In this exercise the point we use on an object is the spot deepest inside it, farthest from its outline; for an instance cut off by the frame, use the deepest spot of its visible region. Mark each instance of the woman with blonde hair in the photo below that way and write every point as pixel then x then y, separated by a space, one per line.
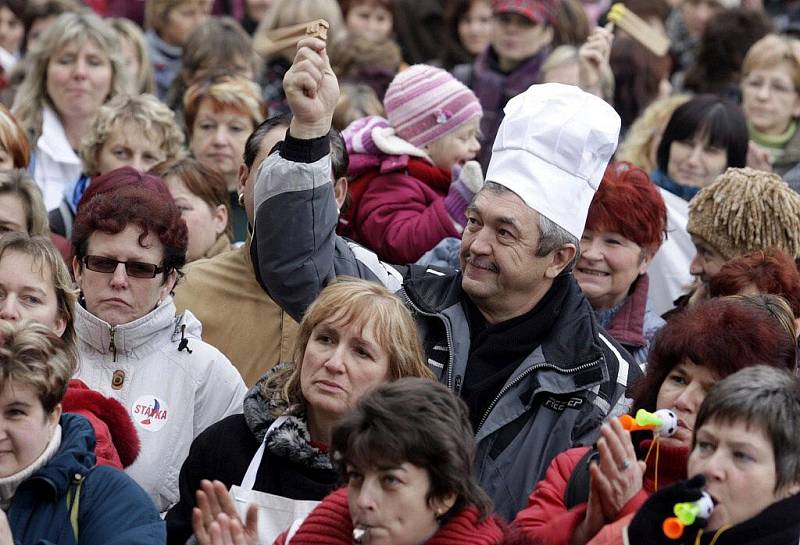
pixel 137 131
pixel 220 113
pixel 75 67
pixel 356 335
pixel 770 87
pixel 133 45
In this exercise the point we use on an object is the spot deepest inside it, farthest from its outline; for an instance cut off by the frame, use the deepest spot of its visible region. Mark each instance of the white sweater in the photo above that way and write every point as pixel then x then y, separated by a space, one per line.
pixel 172 395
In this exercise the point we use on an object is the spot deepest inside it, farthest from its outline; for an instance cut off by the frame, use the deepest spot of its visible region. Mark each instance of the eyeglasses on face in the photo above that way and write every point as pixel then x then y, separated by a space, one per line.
pixel 135 269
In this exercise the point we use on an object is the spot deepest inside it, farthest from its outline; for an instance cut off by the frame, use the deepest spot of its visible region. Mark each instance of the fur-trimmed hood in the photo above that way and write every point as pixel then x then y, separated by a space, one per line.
pixel 117 443
pixel 291 439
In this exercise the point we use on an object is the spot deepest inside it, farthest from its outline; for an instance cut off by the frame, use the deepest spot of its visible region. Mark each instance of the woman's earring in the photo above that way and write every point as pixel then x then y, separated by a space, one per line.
pixel 241 200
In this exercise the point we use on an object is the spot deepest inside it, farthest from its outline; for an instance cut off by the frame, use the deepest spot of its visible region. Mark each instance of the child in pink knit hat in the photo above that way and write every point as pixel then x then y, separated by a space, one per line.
pixel 412 173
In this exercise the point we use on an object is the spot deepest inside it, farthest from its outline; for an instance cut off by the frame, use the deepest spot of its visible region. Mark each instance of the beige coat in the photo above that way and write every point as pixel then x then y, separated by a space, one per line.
pixel 238 317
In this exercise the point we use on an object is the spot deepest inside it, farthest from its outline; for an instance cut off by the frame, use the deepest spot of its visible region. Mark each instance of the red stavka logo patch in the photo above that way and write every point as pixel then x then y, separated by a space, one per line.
pixel 150 412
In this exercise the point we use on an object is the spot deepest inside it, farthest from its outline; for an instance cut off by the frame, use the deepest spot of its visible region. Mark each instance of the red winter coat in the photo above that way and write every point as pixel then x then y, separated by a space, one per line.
pixel 401 213
pixel 330 524
pixel 547 521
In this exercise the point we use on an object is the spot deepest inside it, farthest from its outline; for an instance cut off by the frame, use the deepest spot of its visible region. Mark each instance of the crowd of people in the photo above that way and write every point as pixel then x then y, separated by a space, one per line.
pixel 490 272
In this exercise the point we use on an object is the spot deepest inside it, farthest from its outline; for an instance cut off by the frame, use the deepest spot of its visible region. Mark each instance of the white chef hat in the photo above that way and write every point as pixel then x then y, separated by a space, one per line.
pixel 552 149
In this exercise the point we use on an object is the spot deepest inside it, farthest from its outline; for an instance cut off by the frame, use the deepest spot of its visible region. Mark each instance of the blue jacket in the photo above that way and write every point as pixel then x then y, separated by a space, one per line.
pixel 113 509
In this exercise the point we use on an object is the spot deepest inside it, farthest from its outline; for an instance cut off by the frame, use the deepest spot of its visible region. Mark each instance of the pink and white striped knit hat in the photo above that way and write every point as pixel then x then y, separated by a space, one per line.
pixel 424 103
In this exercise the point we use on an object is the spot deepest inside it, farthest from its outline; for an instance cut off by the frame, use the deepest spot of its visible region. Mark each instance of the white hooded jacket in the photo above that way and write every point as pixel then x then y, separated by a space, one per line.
pixel 173 384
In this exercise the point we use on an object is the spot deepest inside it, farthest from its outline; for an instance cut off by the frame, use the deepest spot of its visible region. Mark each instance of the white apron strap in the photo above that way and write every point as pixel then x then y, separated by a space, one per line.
pixel 250 477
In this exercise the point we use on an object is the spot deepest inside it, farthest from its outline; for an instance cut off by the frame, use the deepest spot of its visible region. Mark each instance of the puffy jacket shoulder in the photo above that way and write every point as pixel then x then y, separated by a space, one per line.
pixel 114 510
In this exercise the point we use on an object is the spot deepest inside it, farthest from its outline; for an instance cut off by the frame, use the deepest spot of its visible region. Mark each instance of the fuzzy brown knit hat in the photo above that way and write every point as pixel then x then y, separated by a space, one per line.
pixel 746 210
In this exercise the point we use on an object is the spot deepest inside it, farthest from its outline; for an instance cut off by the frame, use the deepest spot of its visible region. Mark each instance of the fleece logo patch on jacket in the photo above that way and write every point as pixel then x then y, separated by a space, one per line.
pixel 149 412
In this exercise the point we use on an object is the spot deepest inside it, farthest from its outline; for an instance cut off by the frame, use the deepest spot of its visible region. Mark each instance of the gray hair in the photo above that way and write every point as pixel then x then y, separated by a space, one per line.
pixel 765 397
pixel 552 236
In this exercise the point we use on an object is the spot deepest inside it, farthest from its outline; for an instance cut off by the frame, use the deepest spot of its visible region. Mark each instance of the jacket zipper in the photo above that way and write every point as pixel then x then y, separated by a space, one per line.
pixel 112 345
pixel 525 373
pixel 448 333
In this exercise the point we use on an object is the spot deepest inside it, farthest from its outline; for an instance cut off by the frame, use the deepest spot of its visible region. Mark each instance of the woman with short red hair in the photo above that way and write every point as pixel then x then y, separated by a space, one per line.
pixel 765 271
pixel 624 229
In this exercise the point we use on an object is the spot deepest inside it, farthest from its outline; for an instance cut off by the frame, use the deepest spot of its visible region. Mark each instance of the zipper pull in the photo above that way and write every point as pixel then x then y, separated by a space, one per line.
pixel 112 346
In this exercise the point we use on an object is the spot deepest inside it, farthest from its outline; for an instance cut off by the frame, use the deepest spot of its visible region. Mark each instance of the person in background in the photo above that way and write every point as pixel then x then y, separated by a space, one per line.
pixel 141 77
pixel 745 457
pixel 73 71
pixel 373 19
pixel 168 25
pixel 404 200
pixel 129 244
pixel 429 460
pixel 522 32
pixel 36 18
pixel 137 131
pixel 686 24
pixel 15 151
pixel 769 271
pixel 220 113
pixel 201 195
pixel 355 336
pixel 254 12
pixel 625 227
pixel 743 211
pixel 52 491
pixel 771 101
pixel 572 25
pixel 218 45
pixel 285 13
pixel 703 138
pixel 238 316
pixel 22 209
pixel 12 33
pixel 357 59
pixel 587 489
pixel 469 27
pixel 723 46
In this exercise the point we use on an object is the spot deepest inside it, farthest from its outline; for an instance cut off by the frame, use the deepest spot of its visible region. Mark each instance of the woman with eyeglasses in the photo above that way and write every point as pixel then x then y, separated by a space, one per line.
pixel 771 101
pixel 129 243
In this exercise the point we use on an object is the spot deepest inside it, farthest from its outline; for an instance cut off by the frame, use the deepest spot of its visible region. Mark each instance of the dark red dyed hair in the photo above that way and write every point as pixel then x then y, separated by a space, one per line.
pixel 628 203
pixel 723 335
pixel 770 271
pixel 153 212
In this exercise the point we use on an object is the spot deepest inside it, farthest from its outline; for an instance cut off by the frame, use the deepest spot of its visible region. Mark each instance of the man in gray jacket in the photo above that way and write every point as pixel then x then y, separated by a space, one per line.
pixel 512 334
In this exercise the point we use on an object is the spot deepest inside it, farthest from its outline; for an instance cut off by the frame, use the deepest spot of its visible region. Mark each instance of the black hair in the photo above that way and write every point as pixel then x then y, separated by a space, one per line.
pixel 253 143
pixel 719 120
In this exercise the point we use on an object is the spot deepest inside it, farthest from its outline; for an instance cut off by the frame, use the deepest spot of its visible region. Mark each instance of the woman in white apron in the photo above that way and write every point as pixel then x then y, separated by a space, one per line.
pixel 355 336
pixel 406 453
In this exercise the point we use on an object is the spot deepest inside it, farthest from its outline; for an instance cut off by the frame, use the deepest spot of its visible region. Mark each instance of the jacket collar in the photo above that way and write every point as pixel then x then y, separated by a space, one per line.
pixel 134 339
pixel 53 140
pixel 74 457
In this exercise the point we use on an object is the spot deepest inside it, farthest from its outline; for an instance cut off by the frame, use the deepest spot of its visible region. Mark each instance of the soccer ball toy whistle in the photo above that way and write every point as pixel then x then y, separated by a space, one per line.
pixel 686 513
pixel 662 423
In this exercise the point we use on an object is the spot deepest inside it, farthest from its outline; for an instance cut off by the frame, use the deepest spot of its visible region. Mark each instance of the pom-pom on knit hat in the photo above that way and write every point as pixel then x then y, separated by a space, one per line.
pixel 745 210
pixel 424 103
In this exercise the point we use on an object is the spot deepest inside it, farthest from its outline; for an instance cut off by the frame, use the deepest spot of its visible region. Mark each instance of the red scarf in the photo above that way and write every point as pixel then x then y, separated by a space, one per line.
pixel 330 524
pixel 671 465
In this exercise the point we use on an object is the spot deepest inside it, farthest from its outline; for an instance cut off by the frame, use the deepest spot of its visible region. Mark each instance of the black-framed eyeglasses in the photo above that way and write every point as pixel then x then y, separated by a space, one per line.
pixel 135 269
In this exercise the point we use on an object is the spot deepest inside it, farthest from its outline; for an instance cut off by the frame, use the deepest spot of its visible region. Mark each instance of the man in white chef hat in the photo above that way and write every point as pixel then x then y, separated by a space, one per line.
pixel 511 332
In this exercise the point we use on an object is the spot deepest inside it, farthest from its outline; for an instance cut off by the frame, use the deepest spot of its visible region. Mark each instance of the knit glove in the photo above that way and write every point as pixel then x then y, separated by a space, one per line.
pixel 647 526
pixel 466 182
